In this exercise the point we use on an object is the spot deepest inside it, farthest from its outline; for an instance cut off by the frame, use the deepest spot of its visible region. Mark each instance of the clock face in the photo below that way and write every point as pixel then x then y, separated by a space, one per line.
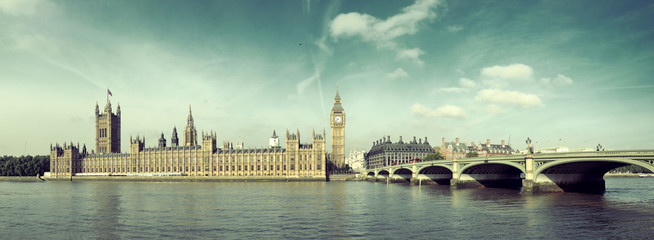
pixel 338 119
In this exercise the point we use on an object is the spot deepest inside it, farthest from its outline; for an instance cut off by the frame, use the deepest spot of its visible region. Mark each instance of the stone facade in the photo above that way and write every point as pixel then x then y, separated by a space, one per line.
pixel 295 160
pixel 337 122
pixel 386 153
pixel 458 150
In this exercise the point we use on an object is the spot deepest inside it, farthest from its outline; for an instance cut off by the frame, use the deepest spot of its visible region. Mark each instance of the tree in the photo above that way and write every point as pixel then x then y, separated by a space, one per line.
pixel 472 154
pixel 433 156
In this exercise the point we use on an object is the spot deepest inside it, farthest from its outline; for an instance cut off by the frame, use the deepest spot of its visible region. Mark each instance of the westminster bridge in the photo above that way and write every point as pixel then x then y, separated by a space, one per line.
pixel 549 172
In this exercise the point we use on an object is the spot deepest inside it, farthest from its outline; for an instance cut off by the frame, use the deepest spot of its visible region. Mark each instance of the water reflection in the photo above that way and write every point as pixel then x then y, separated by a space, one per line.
pixel 107 212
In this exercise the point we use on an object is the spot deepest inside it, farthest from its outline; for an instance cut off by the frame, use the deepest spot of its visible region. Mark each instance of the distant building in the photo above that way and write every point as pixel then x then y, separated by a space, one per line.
pixel 552 150
pixel 386 153
pixel 458 150
pixel 356 160
pixel 190 159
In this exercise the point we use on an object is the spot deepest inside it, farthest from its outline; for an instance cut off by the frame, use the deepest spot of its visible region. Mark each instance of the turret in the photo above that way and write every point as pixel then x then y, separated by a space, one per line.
pixel 174 141
pixel 162 141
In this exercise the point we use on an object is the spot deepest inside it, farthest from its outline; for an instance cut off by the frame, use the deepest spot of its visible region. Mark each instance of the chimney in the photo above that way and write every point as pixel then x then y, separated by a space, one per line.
pixel 502 143
pixel 487 142
pixel 414 140
pixel 443 142
pixel 457 141
pixel 420 140
pixel 388 138
pixel 384 139
pixel 400 140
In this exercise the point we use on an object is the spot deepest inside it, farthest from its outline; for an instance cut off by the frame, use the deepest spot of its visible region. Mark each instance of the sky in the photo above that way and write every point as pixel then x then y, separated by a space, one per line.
pixel 563 73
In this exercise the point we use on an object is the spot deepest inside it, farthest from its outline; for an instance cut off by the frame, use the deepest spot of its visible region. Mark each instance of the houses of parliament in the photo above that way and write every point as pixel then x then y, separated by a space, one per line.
pixel 204 158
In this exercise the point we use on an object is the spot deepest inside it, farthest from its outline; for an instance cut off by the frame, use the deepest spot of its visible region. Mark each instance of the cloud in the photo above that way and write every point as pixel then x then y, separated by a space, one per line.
pixel 467 83
pixel 464 86
pixel 448 111
pixel 499 76
pixel 23 7
pixel 559 80
pixel 383 32
pixel 452 90
pixel 398 73
pixel 512 98
pixel 411 54
pixel 454 28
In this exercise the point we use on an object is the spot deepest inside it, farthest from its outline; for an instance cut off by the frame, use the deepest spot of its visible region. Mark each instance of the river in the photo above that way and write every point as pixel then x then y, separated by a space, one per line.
pixel 319 210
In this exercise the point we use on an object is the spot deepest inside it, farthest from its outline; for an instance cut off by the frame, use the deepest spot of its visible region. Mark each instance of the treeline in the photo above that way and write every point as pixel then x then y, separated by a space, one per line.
pixel 630 169
pixel 24 165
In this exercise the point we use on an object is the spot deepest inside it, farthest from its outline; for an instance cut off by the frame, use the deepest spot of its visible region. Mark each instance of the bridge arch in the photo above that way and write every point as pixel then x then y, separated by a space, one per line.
pixel 580 174
pixel 476 165
pixel 491 175
pixel 402 174
pixel 383 173
pixel 438 174
pixel 598 167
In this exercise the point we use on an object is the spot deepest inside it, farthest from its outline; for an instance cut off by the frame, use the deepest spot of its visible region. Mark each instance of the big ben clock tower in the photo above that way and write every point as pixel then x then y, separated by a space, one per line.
pixel 337 120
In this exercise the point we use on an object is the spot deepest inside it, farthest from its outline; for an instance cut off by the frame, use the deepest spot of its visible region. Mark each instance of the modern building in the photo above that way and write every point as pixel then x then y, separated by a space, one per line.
pixel 386 153
pixel 337 122
pixel 192 158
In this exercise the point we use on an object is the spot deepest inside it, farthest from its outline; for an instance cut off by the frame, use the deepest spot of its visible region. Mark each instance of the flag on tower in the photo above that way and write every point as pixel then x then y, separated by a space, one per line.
pixel 109 92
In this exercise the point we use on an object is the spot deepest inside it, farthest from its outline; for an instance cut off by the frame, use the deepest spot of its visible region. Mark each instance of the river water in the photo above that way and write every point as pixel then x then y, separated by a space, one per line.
pixel 319 210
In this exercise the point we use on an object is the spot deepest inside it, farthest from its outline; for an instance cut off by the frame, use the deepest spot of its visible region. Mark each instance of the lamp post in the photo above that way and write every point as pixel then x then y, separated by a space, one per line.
pixel 529 151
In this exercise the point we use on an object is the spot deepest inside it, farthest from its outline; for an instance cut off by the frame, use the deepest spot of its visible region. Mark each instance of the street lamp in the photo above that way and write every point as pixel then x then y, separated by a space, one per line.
pixel 529 150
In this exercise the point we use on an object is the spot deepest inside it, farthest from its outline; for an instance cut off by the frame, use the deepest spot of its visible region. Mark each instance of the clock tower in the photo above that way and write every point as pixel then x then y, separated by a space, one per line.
pixel 337 120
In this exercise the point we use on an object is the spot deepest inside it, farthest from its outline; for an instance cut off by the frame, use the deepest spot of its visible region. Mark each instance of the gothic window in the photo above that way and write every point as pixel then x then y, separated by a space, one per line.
pixel 277 167
pixel 259 168
pixel 239 167
pixel 292 167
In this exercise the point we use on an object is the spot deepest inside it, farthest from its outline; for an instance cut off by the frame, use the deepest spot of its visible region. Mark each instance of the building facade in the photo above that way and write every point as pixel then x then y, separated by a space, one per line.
pixel 386 153
pixel 356 160
pixel 297 159
pixel 458 150
pixel 337 123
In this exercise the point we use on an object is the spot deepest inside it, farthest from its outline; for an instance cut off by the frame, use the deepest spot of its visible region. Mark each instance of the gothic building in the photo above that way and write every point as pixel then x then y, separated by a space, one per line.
pixel 337 120
pixel 296 160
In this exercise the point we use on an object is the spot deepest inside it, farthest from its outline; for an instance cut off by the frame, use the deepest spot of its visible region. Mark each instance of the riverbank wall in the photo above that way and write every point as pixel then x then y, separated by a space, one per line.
pixel 170 179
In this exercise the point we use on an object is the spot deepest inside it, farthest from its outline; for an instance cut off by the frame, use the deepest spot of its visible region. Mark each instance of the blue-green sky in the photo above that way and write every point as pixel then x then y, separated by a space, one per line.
pixel 570 73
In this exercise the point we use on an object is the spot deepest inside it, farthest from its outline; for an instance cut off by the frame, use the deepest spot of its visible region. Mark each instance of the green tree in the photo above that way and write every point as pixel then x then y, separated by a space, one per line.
pixel 433 156
pixel 472 154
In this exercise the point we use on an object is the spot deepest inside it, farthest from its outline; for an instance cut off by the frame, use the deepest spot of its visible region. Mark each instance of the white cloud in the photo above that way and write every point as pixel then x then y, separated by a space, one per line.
pixel 499 76
pixel 448 111
pixel 23 7
pixel 383 32
pixel 454 28
pixel 411 54
pixel 512 98
pixel 467 83
pixel 559 80
pixel 464 83
pixel 398 73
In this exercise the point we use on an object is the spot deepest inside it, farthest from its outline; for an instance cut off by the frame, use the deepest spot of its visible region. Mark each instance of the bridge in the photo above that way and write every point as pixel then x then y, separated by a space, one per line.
pixel 551 172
